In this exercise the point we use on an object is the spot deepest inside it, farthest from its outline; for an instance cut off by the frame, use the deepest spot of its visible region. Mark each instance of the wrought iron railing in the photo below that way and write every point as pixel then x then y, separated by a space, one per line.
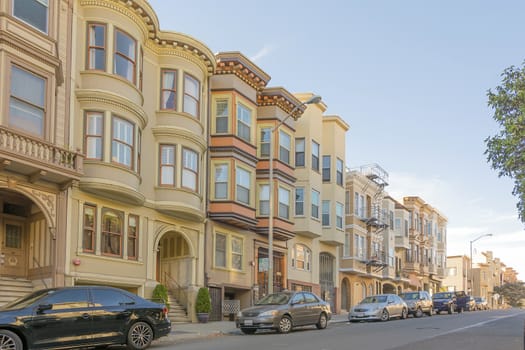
pixel 176 290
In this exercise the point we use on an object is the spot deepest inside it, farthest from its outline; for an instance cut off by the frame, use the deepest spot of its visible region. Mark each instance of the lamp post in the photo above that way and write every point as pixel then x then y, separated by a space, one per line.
pixel 471 274
pixel 312 100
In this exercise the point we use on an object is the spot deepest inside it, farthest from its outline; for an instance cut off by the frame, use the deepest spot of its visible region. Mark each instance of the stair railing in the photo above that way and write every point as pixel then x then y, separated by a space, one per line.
pixel 177 291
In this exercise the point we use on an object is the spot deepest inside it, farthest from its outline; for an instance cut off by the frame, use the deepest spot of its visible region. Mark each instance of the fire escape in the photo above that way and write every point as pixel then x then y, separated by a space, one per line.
pixel 377 222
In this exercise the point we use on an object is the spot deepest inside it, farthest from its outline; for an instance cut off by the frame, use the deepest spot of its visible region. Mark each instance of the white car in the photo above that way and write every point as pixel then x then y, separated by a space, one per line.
pixel 381 307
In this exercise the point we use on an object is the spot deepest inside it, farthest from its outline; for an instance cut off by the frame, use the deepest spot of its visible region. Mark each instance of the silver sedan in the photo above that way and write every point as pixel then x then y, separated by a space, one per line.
pixel 284 310
pixel 381 307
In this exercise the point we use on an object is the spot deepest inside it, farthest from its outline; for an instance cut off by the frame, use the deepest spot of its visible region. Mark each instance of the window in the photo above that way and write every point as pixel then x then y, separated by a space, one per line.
pixel 299 152
pixel 88 237
pixel 265 142
pixel 33 12
pixel 299 201
pixel 326 213
pixel 301 257
pixel 111 233
pixel 139 150
pixel 110 298
pixel 221 181
pixel 231 257
pixel 190 169
pixel 362 206
pixel 221 117
pixel 315 156
pixel 346 247
pixel 285 144
pixel 326 168
pixel 167 165
pixel 339 215
pixel 236 253
pixel 243 185
pixel 125 56
pixel 96 46
pixel 141 69
pixel 220 250
pixel 356 203
pixel 169 90
pixel 133 234
pixel 284 203
pixel 191 95
pixel 94 135
pixel 27 107
pixel 339 172
pixel 122 143
pixel 360 248
pixel 315 204
pixel 347 202
pixel 244 122
pixel 451 271
pixel 391 219
pixel 264 199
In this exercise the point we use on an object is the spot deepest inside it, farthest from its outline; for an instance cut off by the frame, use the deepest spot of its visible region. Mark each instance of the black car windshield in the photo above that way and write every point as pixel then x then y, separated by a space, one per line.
pixel 374 299
pixel 409 296
pixel 274 299
pixel 27 300
pixel 442 296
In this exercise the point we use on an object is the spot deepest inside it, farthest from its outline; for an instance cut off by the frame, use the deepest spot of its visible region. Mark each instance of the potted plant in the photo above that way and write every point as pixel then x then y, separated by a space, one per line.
pixel 203 305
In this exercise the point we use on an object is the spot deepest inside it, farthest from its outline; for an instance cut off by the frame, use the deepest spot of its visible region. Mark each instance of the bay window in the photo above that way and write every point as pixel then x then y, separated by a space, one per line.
pixel 122 142
pixel 125 56
pixel 190 169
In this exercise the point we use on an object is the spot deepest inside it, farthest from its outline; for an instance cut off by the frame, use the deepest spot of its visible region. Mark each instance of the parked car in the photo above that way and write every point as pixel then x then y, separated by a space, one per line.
pixel 471 304
pixel 444 301
pixel 380 307
pixel 418 303
pixel 481 303
pixel 74 317
pixel 283 311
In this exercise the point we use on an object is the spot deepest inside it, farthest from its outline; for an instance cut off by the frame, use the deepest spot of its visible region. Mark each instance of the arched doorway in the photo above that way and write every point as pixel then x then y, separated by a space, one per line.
pixel 345 295
pixel 174 260
pixel 389 288
pixel 26 244
pixel 326 278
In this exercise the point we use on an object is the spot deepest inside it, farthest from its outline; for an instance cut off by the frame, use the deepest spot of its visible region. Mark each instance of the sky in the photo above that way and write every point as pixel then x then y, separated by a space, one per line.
pixel 410 77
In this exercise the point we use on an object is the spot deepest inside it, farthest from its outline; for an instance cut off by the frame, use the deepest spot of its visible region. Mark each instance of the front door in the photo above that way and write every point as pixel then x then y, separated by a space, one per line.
pixel 13 249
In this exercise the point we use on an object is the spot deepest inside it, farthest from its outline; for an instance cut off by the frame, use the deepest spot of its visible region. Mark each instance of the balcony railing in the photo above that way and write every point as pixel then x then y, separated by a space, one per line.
pixel 38 154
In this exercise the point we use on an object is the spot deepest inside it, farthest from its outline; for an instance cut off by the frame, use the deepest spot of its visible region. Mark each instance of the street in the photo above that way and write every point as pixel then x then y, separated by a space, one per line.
pixel 482 330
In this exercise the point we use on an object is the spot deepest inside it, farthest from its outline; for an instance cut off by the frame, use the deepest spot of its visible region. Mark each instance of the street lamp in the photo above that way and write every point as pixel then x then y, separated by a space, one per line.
pixel 471 274
pixel 312 100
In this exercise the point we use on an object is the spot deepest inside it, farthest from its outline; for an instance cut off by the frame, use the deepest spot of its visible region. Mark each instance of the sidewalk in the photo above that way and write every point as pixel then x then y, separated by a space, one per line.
pixel 185 331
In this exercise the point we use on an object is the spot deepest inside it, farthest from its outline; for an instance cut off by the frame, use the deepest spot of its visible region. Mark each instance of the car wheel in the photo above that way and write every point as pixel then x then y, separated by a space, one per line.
pixel 419 313
pixel 9 340
pixel 404 314
pixel 385 316
pixel 248 330
pixel 323 321
pixel 140 336
pixel 285 324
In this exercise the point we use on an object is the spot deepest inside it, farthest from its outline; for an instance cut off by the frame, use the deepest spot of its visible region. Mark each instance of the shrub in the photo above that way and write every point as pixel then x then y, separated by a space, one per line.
pixel 203 303
pixel 160 294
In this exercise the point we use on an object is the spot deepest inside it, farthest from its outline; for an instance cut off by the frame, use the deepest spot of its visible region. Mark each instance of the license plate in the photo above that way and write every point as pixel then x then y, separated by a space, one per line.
pixel 248 322
pixel 360 314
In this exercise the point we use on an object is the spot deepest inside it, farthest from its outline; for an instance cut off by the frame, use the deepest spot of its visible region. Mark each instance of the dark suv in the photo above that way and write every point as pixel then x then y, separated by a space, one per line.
pixel 418 303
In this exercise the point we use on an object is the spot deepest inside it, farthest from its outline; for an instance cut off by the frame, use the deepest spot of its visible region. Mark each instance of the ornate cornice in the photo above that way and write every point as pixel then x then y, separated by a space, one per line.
pixel 280 97
pixel 109 98
pixel 239 65
pixel 173 131
pixel 162 42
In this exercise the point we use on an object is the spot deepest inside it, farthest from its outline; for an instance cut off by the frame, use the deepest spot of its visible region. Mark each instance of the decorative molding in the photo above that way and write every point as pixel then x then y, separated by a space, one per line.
pixel 47 200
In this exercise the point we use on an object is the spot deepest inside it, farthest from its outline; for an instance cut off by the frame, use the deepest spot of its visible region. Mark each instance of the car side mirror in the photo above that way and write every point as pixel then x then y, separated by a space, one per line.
pixel 44 307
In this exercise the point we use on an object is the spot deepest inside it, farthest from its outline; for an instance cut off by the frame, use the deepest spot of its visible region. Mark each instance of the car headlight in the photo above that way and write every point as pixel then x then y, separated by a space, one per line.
pixel 268 313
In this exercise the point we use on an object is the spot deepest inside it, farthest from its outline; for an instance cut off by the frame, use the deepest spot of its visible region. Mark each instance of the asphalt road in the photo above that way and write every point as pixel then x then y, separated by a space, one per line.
pixel 481 330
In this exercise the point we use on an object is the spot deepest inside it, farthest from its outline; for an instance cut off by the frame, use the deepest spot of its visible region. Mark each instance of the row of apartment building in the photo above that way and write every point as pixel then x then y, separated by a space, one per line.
pixel 132 156
pixel 479 276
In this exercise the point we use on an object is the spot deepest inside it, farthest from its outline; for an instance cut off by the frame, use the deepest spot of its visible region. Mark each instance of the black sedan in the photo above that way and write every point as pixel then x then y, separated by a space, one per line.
pixel 74 317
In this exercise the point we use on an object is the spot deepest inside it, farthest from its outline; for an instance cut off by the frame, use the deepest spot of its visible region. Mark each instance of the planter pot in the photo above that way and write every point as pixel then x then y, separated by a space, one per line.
pixel 203 317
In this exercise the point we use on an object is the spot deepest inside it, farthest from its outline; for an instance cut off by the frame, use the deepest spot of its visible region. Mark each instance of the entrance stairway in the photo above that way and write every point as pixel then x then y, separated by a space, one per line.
pixel 13 288
pixel 177 312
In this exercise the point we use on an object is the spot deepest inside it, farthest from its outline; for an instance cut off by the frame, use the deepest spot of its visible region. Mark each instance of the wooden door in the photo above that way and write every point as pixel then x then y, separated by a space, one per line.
pixel 13 249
